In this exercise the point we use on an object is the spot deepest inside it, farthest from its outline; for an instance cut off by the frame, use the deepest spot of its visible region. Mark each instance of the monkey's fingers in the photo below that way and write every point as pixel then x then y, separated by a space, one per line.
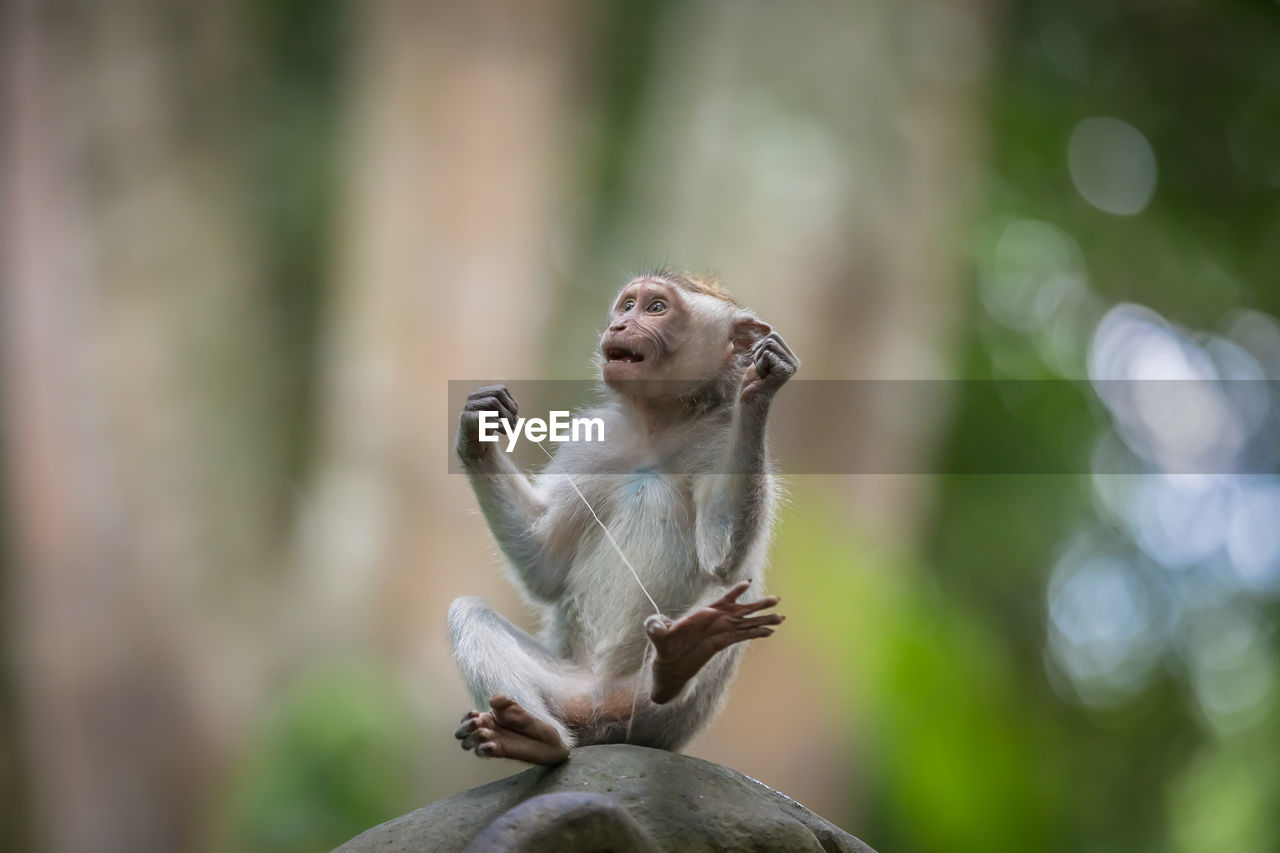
pixel 499 391
pixel 508 400
pixel 745 634
pixel 779 344
pixel 475 405
pixel 730 597
pixel 770 364
pixel 773 341
pixel 751 390
pixel 754 606
pixel 490 403
pixel 756 621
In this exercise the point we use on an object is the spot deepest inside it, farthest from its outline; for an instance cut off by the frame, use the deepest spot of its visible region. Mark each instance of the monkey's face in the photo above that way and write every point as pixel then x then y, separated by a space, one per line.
pixel 655 340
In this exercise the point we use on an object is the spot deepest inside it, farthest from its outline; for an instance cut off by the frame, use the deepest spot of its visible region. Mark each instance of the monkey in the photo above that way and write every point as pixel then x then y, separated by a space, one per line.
pixel 685 487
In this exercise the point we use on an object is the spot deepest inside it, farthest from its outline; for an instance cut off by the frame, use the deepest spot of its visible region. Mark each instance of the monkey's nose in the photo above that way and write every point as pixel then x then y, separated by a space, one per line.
pixel 618 327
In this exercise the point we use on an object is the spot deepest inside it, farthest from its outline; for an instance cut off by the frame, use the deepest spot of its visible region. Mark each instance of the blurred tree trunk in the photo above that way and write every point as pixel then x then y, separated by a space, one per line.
pixel 819 157
pixel 459 113
pixel 807 157
pixel 137 385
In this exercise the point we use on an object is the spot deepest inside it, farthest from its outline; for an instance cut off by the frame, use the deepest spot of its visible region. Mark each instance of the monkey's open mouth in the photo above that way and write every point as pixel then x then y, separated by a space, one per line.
pixel 624 355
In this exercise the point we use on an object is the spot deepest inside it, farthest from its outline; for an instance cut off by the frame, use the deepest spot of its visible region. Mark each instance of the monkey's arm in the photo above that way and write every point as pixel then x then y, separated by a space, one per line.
pixel 733 506
pixel 512 508
pixel 510 503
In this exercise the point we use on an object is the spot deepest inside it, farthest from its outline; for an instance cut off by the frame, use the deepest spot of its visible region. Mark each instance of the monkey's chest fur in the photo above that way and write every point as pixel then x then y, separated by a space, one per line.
pixel 652 516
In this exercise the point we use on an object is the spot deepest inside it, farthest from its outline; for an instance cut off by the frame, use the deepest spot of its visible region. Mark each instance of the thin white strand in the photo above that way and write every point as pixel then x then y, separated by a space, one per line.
pixel 608 535
pixel 635 694
pixel 644 659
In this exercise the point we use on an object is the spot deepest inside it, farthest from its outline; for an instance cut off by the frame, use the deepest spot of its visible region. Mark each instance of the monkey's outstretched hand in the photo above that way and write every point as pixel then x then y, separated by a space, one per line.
pixel 772 364
pixel 491 398
pixel 685 645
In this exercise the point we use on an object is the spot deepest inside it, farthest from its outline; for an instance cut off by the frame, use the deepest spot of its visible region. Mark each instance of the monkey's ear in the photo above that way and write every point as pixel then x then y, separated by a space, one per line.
pixel 746 333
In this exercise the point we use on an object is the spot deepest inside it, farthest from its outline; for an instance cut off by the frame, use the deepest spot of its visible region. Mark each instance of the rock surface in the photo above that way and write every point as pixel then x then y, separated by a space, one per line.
pixel 613 798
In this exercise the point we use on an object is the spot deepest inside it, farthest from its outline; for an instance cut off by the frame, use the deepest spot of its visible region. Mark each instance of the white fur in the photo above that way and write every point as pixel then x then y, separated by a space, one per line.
pixel 671 512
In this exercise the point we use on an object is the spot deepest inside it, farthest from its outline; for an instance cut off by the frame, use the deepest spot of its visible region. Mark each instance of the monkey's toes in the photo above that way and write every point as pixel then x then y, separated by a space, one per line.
pixel 657 626
pixel 509 714
pixel 512 717
pixel 472 723
pixel 485 742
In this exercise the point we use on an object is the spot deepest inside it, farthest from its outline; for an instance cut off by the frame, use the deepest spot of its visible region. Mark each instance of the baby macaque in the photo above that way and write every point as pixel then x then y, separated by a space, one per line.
pixel 683 483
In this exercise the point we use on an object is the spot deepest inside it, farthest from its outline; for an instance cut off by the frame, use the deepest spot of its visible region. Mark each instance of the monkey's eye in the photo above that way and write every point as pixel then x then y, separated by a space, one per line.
pixel 657 306
pixel 628 305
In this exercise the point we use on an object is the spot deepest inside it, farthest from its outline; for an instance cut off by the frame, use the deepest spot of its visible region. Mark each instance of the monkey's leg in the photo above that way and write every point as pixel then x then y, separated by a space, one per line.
pixel 516 679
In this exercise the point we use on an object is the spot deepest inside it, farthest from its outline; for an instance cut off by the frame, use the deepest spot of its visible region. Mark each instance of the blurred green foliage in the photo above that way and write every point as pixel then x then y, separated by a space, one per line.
pixel 942 658
pixel 939 652
pixel 930 678
pixel 1199 81
pixel 337 755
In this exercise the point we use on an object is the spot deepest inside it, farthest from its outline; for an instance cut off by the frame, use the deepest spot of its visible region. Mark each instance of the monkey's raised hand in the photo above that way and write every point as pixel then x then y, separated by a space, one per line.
pixel 491 398
pixel 685 645
pixel 772 364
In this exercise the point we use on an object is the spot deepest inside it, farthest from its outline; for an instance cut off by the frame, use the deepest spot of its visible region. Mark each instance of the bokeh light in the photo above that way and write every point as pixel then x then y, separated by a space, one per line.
pixel 246 247
pixel 1112 165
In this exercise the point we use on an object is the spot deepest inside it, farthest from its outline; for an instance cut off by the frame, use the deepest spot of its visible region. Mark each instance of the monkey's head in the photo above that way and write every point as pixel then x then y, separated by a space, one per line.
pixel 672 333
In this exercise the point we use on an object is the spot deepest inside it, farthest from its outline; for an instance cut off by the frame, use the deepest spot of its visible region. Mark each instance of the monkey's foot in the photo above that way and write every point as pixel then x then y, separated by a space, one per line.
pixel 509 731
pixel 684 646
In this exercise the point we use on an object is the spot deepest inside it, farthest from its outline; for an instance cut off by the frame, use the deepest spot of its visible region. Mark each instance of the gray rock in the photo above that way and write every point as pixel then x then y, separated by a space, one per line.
pixel 620 798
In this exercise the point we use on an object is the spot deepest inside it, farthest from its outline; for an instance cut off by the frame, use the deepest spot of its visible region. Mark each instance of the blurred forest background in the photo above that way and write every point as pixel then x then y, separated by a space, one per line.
pixel 246 245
